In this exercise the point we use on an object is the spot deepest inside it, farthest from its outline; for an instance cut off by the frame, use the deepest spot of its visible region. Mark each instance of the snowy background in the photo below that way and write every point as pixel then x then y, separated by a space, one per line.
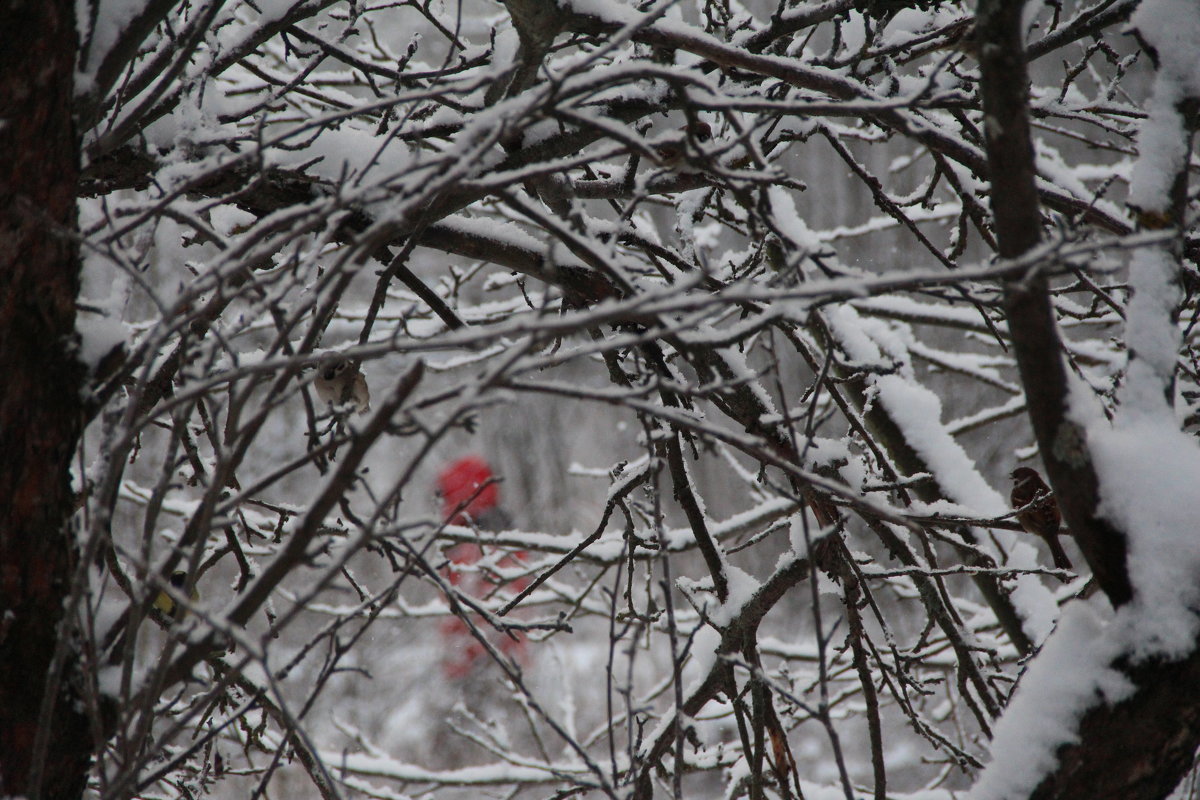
pixel 808 302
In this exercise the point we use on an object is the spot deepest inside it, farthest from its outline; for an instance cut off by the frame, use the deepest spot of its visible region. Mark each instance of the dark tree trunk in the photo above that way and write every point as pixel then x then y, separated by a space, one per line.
pixel 40 405
pixel 1140 748
pixel 1004 85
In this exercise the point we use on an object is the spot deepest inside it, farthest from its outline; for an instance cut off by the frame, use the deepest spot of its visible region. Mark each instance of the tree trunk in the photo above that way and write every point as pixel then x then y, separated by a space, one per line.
pixel 1141 747
pixel 45 747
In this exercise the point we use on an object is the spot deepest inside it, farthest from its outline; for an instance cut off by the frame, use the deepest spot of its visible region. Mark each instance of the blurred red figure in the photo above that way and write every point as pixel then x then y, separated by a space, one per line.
pixel 471 497
pixel 463 499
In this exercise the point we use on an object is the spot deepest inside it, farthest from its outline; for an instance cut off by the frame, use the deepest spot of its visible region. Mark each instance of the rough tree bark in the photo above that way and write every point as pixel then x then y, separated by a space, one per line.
pixel 45 747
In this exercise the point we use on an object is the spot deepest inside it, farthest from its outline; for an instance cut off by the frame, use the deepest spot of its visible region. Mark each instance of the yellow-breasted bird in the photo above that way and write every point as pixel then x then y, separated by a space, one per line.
pixel 167 605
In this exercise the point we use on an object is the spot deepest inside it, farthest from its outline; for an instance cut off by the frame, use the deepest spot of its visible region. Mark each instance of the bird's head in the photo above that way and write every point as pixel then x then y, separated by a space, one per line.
pixel 331 366
pixel 1023 474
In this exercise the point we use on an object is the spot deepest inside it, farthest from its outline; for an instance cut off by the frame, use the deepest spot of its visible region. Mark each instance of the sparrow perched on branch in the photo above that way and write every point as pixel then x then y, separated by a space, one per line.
pixel 674 151
pixel 1037 511
pixel 339 381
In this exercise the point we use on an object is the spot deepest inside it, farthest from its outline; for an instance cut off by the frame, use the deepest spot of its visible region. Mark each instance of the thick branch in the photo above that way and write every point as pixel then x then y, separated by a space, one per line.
pixel 1139 748
pixel 1005 88
pixel 45 744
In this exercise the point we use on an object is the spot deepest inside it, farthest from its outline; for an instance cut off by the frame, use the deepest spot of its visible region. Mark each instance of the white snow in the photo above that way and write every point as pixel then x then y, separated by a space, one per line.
pixel 99 334
pixel 1149 471
pixel 916 409
pixel 791 224
pixel 1068 676
pixel 1172 28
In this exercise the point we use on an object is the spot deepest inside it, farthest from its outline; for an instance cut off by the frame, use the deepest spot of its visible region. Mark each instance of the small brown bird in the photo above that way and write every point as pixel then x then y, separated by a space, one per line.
pixel 674 151
pixel 339 382
pixel 1037 511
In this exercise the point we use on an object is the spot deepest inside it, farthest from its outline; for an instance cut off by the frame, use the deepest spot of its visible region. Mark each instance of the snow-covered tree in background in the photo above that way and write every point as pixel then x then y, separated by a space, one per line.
pixel 752 307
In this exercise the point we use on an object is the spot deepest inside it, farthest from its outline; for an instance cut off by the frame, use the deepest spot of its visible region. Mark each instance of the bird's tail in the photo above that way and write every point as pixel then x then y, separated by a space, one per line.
pixel 1057 553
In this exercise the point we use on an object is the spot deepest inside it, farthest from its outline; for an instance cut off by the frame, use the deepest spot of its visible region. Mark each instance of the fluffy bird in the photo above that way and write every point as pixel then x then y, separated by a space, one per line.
pixel 674 151
pixel 340 382
pixel 1037 511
